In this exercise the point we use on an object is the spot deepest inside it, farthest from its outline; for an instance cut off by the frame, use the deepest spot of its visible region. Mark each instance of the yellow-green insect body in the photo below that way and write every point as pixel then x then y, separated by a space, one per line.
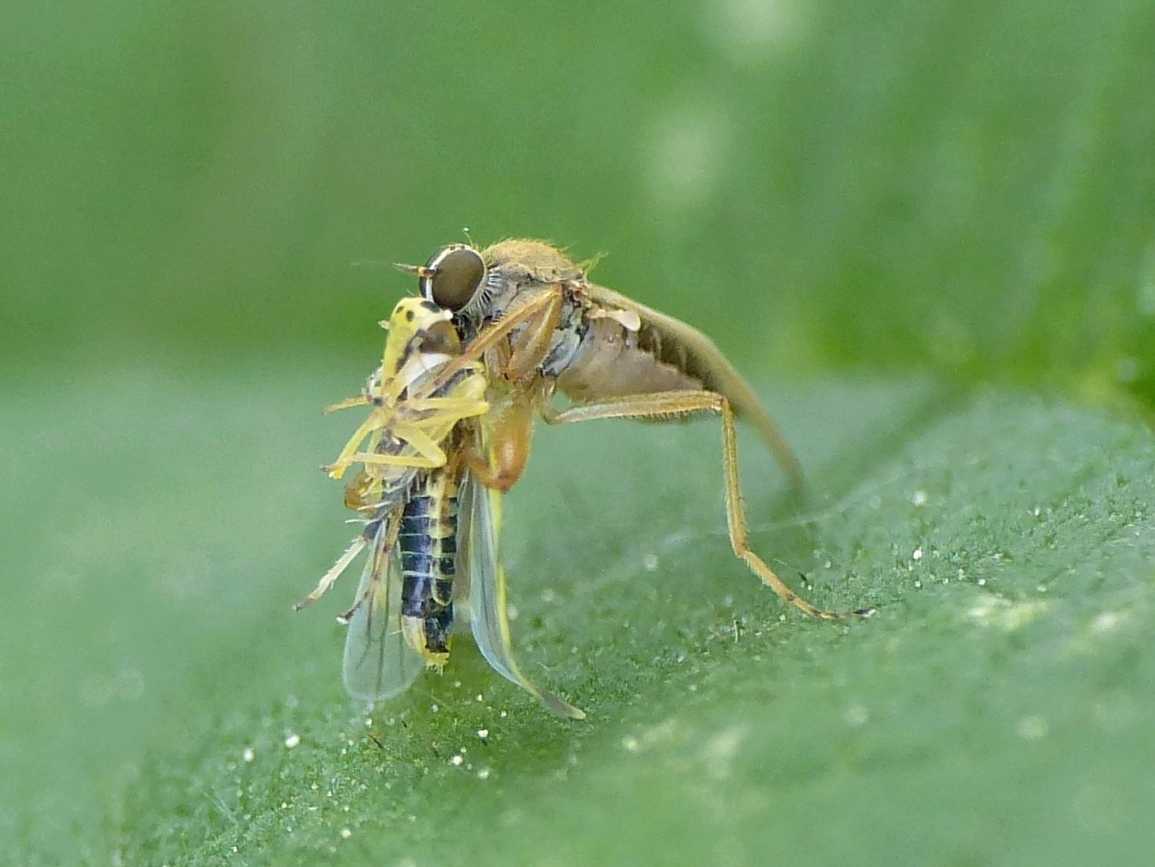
pixel 419 450
pixel 405 490
pixel 405 429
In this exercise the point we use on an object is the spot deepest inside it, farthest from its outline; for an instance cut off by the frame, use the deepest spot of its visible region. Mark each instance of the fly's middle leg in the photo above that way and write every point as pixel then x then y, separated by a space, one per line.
pixel 672 404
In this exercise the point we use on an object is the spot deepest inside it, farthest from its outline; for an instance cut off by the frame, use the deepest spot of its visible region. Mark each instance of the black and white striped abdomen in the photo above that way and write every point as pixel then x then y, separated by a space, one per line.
pixel 428 547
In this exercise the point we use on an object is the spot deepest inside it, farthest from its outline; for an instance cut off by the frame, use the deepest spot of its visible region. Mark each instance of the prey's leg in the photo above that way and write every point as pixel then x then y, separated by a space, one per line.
pixel 337 469
pixel 458 407
pixel 348 403
pixel 412 462
pixel 429 454
pixel 380 555
pixel 330 578
pixel 671 404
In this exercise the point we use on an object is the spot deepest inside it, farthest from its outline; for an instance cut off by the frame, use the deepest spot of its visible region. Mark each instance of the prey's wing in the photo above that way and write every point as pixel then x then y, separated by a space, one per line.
pixel 480 509
pixel 378 663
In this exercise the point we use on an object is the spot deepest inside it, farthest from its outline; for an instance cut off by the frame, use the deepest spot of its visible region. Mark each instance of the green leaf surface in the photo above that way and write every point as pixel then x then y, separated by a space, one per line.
pixel 924 230
pixel 995 710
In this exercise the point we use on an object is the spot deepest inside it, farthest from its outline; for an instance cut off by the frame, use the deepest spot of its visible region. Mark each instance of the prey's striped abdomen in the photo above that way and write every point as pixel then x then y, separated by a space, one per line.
pixel 428 548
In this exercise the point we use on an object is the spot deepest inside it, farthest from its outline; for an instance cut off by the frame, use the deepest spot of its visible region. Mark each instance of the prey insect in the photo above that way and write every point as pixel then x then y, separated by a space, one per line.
pixel 424 540
pixel 531 315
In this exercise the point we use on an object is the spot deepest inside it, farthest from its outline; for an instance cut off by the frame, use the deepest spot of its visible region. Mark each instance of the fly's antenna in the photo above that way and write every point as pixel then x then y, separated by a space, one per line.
pixel 369 263
pixel 414 270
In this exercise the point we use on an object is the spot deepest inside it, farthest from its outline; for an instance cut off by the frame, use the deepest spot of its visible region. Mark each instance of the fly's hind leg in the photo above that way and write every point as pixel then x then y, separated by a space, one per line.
pixel 672 404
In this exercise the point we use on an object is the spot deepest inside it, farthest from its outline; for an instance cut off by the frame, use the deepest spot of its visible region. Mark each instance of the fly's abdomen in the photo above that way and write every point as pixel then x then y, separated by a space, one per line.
pixel 608 361
pixel 428 548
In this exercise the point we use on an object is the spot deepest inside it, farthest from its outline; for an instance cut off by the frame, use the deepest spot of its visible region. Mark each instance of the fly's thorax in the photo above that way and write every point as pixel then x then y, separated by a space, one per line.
pixel 596 349
pixel 566 342
pixel 523 261
pixel 516 269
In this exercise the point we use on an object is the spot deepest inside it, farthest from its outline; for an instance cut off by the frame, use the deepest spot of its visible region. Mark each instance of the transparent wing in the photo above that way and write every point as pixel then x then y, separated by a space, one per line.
pixel 378 663
pixel 487 607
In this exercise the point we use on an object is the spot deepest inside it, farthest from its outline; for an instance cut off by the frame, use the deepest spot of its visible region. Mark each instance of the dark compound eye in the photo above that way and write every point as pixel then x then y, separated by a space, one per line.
pixel 452 277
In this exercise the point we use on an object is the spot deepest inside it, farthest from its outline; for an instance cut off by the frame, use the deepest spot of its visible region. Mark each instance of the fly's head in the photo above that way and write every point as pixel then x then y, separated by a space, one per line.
pixel 455 279
pixel 480 286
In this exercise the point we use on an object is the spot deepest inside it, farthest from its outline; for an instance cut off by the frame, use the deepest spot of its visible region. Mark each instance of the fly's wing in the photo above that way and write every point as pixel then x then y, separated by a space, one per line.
pixel 378 663
pixel 487 608
pixel 688 349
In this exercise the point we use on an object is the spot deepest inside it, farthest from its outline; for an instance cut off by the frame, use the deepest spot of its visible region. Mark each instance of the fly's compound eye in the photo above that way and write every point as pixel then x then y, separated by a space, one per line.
pixel 452 277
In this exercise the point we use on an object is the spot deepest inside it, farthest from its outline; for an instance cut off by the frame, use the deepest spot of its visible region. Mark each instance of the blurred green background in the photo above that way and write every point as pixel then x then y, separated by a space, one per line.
pixel 925 230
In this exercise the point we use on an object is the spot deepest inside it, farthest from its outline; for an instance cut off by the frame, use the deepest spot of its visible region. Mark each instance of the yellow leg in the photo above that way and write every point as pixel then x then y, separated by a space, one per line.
pixel 421 442
pixel 670 404
pixel 459 407
pixel 337 469
pixel 429 454
pixel 348 403
pixel 415 462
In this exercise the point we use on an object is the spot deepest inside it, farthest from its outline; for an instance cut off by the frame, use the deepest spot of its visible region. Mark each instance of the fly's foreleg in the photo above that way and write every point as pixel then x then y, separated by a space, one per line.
pixel 492 334
pixel 672 404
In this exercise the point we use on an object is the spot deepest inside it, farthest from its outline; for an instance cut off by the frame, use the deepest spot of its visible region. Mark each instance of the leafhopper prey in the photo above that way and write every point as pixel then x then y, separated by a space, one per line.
pixel 429 535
